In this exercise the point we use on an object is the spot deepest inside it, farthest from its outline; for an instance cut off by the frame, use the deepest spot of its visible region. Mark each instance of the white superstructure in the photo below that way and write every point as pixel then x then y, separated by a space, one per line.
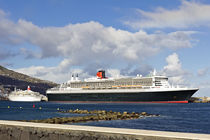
pixel 100 84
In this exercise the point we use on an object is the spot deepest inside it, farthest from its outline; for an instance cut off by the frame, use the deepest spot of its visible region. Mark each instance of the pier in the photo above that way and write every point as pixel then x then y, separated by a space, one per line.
pixel 16 130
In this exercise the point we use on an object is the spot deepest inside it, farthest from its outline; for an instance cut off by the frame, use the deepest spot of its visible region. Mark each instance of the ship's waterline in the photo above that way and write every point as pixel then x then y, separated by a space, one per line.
pixel 155 89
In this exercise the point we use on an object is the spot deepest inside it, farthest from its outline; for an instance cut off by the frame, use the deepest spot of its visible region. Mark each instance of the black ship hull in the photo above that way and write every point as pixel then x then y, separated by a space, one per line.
pixel 178 96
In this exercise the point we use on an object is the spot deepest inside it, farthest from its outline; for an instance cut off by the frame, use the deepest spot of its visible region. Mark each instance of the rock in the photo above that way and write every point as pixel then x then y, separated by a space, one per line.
pixel 143 113
pixel 103 112
pixel 125 113
pixel 97 116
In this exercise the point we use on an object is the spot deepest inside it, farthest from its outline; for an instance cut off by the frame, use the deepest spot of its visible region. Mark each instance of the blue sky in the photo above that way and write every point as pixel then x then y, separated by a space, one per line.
pixel 51 39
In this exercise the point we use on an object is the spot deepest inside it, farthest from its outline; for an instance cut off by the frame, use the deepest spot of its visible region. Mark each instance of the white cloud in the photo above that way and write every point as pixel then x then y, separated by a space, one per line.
pixel 204 85
pixel 115 73
pixel 189 14
pixel 203 72
pixel 58 74
pixel 204 88
pixel 4 54
pixel 90 41
pixel 173 63
pixel 29 54
pixel 174 70
pixel 86 45
pixel 2 13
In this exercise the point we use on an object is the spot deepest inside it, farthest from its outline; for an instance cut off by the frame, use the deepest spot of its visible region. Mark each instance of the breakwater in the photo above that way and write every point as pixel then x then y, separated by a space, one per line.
pixel 15 130
pixel 94 115
pixel 199 100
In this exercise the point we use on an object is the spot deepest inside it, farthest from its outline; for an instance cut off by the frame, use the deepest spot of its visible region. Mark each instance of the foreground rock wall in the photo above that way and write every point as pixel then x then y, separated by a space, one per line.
pixel 14 130
pixel 30 133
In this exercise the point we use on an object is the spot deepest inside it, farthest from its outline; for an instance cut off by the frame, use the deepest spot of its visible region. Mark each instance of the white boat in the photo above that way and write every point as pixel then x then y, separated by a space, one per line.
pixel 25 96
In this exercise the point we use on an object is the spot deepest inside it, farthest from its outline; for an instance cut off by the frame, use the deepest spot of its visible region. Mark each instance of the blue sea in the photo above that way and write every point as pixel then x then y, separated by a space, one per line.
pixel 192 117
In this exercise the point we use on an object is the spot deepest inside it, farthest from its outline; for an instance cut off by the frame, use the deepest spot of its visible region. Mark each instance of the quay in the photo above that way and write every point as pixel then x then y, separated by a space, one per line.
pixel 16 130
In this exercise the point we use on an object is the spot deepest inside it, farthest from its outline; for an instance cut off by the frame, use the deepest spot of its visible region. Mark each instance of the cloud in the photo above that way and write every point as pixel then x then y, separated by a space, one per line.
pixel 204 88
pixel 173 64
pixel 45 73
pixel 174 70
pixel 63 71
pixel 58 74
pixel 203 72
pixel 93 39
pixel 115 73
pixel 7 30
pixel 88 46
pixel 2 13
pixel 188 14
pixel 29 54
pixel 204 85
pixel 5 64
pixel 142 69
pixel 5 54
pixel 90 41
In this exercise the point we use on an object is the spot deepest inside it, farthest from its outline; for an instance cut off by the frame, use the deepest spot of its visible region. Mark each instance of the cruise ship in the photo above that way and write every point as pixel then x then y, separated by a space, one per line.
pixel 139 89
pixel 25 95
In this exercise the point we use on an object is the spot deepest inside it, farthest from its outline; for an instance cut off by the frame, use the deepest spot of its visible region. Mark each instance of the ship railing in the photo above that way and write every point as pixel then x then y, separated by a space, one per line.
pixel 55 89
pixel 112 87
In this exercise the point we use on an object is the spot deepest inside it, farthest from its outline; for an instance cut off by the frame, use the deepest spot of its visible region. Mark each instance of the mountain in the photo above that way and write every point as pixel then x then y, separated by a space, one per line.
pixel 10 79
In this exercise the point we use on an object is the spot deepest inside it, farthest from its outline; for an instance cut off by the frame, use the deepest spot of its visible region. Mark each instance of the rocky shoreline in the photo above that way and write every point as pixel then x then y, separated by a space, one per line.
pixel 199 100
pixel 95 115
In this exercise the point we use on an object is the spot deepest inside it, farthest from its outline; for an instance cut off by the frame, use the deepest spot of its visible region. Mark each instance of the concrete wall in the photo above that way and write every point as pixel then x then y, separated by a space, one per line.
pixel 13 130
pixel 30 133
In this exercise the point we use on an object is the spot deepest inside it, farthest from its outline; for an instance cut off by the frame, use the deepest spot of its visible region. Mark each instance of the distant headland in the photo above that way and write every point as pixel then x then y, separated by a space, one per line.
pixel 10 79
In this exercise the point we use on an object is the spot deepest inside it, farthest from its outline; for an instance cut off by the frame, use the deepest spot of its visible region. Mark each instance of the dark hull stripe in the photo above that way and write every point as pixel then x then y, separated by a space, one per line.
pixel 158 97
pixel 119 102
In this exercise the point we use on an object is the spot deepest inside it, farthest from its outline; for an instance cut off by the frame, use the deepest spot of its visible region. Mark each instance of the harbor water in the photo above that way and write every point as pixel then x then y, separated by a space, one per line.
pixel 192 117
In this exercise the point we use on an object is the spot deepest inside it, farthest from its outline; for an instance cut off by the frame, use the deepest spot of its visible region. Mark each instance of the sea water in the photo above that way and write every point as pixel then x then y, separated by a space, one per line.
pixel 192 117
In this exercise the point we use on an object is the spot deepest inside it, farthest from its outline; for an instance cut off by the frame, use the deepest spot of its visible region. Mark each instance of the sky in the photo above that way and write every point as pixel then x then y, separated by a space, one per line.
pixel 51 39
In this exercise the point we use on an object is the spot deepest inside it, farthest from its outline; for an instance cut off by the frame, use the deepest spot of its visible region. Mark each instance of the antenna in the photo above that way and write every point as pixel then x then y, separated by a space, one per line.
pixel 154 72
pixel 77 77
pixel 72 77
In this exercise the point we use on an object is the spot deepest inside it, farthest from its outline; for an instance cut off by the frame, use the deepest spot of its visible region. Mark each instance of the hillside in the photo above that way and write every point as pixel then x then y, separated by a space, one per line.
pixel 10 79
